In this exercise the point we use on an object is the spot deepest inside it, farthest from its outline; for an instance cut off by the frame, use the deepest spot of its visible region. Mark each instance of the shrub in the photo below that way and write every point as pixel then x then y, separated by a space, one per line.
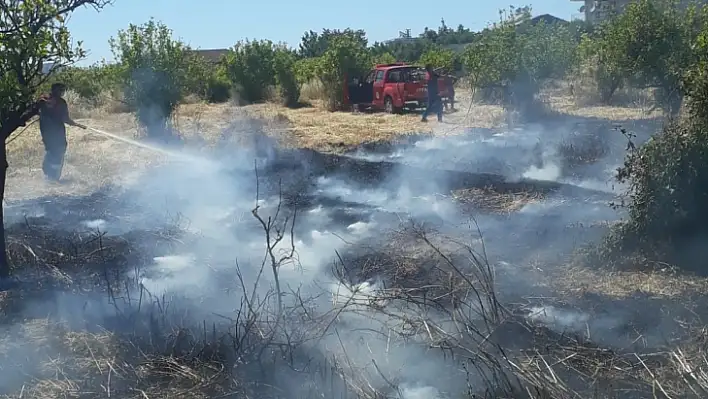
pixel 255 68
pixel 440 58
pixel 344 57
pixel 306 69
pixel 285 79
pixel 667 178
pixel 218 85
pixel 383 58
pixel 155 71
pixel 313 90
pixel 513 57
pixel 250 67
pixel 90 83
pixel 648 45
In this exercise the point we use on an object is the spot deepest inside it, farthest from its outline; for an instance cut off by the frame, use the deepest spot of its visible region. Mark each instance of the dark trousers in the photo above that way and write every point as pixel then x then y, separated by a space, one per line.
pixel 434 104
pixel 53 159
pixel 451 100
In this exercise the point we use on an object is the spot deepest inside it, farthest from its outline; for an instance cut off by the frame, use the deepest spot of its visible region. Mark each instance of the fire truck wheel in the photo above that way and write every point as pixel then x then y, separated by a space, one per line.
pixel 388 105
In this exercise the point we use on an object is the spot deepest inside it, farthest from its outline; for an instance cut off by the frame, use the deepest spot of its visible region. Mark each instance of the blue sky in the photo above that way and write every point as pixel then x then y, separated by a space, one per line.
pixel 221 23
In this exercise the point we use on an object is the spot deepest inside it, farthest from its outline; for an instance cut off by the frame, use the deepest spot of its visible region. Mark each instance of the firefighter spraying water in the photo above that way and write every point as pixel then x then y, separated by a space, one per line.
pixel 53 114
pixel 53 117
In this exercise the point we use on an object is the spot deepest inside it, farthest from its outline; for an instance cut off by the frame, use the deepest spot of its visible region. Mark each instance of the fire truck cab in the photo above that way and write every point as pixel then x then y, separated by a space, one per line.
pixel 391 87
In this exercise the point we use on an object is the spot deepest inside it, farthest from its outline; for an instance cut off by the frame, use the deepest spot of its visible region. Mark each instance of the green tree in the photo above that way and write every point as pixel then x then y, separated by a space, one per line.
pixel 345 57
pixel 408 50
pixel 89 82
pixel 255 67
pixel 667 177
pixel 218 85
pixel 512 57
pixel 157 71
pixel 695 79
pixel 315 44
pixel 440 58
pixel 649 45
pixel 383 58
pixel 306 69
pixel 250 66
pixel 604 63
pixel 285 79
pixel 494 61
pixel 32 33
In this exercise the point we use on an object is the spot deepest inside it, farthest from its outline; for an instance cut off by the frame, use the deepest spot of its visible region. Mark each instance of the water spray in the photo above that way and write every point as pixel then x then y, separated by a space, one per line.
pixel 135 143
pixel 172 154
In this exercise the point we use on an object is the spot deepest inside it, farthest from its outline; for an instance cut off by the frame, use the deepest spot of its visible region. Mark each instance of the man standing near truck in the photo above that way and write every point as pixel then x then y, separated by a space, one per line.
pixel 434 104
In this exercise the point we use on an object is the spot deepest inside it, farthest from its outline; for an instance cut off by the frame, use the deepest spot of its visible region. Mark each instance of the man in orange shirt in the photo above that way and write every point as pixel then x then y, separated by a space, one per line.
pixel 53 115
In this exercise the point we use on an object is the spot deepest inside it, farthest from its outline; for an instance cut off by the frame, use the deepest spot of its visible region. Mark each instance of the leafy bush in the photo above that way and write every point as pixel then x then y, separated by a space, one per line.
pixel 667 177
pixel 345 57
pixel 285 79
pixel 156 72
pixel 218 88
pixel 256 67
pixel 383 58
pixel 306 69
pixel 314 45
pixel 513 57
pixel 89 83
pixel 648 45
pixel 250 67
pixel 440 58
pixel 405 51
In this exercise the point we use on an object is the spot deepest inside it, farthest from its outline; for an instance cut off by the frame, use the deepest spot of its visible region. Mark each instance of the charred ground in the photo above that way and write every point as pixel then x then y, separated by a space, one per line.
pixel 82 250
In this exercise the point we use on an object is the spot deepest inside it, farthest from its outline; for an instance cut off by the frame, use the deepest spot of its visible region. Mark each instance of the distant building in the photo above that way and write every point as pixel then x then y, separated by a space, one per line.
pixel 548 19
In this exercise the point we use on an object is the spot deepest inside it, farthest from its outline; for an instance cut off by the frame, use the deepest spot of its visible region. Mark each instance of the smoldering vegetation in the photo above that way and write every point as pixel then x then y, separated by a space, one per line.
pixel 403 270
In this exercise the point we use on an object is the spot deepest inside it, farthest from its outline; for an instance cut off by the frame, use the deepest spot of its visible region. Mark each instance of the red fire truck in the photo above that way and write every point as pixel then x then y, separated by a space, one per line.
pixel 392 87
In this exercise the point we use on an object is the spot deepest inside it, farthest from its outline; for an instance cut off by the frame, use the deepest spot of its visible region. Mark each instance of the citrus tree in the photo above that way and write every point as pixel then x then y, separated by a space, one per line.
pixel 250 66
pixel 255 67
pixel 285 79
pixel 88 82
pixel 345 57
pixel 513 56
pixel 493 62
pixel 383 58
pixel 667 177
pixel 648 45
pixel 32 34
pixel 440 58
pixel 156 71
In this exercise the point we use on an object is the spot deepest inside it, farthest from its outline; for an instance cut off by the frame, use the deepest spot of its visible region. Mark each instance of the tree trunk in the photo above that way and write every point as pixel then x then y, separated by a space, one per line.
pixel 4 264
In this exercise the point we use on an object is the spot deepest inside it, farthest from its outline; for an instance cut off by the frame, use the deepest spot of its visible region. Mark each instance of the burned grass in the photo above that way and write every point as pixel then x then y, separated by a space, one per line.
pixel 135 348
pixel 125 352
pixel 488 199
pixel 79 323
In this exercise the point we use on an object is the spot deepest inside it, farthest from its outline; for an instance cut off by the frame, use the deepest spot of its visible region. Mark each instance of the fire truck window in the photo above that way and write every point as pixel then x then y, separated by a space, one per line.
pixel 379 76
pixel 394 76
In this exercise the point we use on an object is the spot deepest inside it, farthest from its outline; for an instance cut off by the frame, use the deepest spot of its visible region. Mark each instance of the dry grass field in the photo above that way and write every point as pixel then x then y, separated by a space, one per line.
pixel 93 160
pixel 95 358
